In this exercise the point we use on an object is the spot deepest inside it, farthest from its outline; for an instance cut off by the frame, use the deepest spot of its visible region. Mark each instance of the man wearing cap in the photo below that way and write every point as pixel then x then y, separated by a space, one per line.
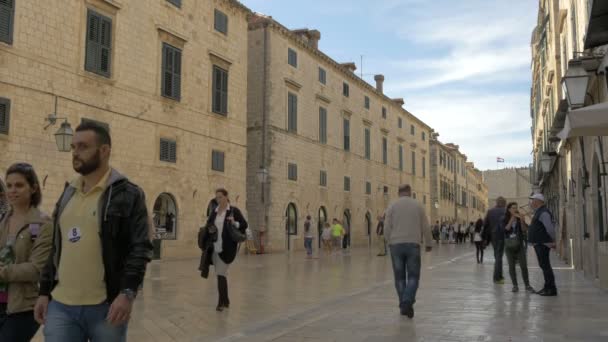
pixel 541 234
pixel 406 228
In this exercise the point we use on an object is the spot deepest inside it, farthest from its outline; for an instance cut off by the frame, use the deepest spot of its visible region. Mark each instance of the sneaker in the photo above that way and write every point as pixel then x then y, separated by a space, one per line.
pixel 515 289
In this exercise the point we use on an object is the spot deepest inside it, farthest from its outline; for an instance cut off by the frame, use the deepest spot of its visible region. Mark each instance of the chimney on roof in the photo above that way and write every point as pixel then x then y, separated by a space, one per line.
pixel 350 66
pixel 379 83
pixel 399 101
pixel 311 37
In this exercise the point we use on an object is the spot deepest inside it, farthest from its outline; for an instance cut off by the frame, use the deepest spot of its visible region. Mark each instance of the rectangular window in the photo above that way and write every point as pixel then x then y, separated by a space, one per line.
pixel 368 188
pixel 368 143
pixel 171 72
pixel 413 163
pixel 346 135
pixel 423 167
pixel 401 157
pixel 346 183
pixel 345 89
pixel 384 112
pixel 323 178
pixel 413 130
pixel 292 113
pixel 423 136
pixel 217 161
pixel 292 172
pixel 322 76
pixel 98 44
pixel 292 57
pixel 366 102
pixel 7 17
pixel 177 3
pixel 5 106
pixel 220 23
pixel 322 125
pixel 168 150
pixel 384 151
pixel 220 90
pixel 400 122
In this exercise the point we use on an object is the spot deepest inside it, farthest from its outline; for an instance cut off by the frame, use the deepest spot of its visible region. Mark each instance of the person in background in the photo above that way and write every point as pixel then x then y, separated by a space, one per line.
pixel 478 239
pixel 337 234
pixel 380 235
pixel 494 232
pixel 308 236
pixel 541 234
pixel 515 247
pixel 326 238
pixel 26 236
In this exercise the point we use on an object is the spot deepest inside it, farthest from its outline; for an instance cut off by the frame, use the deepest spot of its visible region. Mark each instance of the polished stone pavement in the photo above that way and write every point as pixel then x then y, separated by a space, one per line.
pixel 350 297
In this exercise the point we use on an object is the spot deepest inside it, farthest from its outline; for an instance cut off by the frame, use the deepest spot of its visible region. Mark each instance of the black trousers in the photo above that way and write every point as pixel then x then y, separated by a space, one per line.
pixel 542 253
pixel 17 327
pixel 479 252
pixel 222 289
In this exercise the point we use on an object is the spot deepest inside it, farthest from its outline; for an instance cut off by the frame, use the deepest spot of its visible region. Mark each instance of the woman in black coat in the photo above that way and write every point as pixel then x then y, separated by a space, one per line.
pixel 224 217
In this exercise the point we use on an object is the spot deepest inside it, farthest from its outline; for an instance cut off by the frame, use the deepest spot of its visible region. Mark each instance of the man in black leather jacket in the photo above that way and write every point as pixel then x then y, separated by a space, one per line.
pixel 101 247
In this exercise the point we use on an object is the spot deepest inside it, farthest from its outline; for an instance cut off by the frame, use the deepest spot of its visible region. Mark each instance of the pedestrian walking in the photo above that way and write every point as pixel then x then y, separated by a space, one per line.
pixel 515 246
pixel 471 232
pixel 25 241
pixel 406 230
pixel 380 236
pixel 326 238
pixel 436 232
pixel 494 232
pixel 230 224
pixel 308 236
pixel 100 250
pixel 541 234
pixel 337 234
pixel 478 239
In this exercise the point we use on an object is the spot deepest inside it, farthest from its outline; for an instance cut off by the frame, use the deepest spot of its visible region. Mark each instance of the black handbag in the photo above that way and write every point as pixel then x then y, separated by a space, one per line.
pixel 236 235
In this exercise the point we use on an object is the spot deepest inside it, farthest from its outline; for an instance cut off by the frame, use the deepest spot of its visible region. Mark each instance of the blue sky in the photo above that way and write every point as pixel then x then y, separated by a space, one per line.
pixel 462 66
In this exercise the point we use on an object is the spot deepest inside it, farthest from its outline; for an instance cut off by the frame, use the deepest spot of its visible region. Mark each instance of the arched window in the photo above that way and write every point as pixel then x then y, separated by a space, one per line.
pixel 165 217
pixel 321 220
pixel 291 224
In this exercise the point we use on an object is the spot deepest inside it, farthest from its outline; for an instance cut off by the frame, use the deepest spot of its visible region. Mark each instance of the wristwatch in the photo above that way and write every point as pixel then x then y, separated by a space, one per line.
pixel 130 294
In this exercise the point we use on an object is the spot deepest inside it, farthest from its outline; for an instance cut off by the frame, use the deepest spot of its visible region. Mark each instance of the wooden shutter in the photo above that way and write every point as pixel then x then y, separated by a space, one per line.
pixel 168 150
pixel 4 115
pixel 105 46
pixel 322 125
pixel 7 15
pixel 171 72
pixel 217 161
pixel 346 135
pixel 220 21
pixel 292 115
pixel 177 3
pixel 99 44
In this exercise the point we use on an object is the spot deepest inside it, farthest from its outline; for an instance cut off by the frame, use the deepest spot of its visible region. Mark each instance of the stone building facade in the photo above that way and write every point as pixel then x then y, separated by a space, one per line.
pixel 149 69
pixel 459 193
pixel 511 183
pixel 329 144
pixel 570 169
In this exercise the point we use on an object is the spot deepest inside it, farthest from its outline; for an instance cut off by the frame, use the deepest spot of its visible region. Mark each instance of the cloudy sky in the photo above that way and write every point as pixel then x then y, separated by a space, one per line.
pixel 462 66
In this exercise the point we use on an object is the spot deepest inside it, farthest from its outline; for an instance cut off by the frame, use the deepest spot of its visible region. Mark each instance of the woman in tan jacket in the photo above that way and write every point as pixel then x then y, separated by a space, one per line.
pixel 25 245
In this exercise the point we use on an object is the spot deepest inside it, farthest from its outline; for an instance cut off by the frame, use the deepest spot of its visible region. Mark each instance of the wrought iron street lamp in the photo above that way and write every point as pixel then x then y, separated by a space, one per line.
pixel 262 175
pixel 64 135
pixel 575 84
pixel 546 162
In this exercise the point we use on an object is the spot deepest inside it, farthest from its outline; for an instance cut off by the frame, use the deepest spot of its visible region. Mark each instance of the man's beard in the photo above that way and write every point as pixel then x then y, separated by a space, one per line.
pixel 87 167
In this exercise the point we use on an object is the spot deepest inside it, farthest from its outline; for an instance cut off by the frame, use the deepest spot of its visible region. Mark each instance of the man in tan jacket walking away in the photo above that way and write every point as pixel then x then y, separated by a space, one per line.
pixel 407 228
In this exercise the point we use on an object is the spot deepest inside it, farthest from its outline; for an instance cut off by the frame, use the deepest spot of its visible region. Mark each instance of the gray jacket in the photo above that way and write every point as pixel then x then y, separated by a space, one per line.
pixel 406 222
pixel 492 225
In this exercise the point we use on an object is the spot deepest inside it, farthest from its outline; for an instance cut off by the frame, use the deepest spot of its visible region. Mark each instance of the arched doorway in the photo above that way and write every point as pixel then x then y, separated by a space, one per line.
pixel 291 223
pixel 368 226
pixel 165 221
pixel 321 220
pixel 346 225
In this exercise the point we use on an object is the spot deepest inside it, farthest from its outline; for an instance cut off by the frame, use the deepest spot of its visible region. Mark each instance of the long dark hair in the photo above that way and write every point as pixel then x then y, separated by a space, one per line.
pixel 478 226
pixel 27 171
pixel 508 213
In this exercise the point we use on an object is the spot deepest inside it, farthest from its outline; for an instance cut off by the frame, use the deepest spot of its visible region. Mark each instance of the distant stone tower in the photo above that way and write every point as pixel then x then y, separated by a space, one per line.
pixel 512 184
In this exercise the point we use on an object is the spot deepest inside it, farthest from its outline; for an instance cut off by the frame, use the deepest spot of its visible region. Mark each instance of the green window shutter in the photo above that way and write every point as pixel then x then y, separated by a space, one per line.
pixel 217 161
pixel 5 105
pixel 322 125
pixel 368 152
pixel 292 117
pixel 98 52
pixel 220 90
pixel 7 17
pixel 220 23
pixel 413 163
pixel 168 151
pixel 400 157
pixel 177 3
pixel 346 135
pixel 384 151
pixel 105 46
pixel 171 72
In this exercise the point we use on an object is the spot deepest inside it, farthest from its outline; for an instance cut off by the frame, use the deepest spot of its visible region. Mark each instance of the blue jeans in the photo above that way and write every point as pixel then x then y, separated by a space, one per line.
pixel 80 324
pixel 308 245
pixel 406 266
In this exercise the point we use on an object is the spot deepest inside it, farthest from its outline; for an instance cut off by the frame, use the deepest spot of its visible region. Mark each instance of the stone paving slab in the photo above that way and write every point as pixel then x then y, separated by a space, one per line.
pixel 351 297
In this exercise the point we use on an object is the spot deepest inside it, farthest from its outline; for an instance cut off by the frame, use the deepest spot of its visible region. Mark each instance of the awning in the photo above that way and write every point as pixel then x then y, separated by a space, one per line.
pixel 597 32
pixel 587 121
